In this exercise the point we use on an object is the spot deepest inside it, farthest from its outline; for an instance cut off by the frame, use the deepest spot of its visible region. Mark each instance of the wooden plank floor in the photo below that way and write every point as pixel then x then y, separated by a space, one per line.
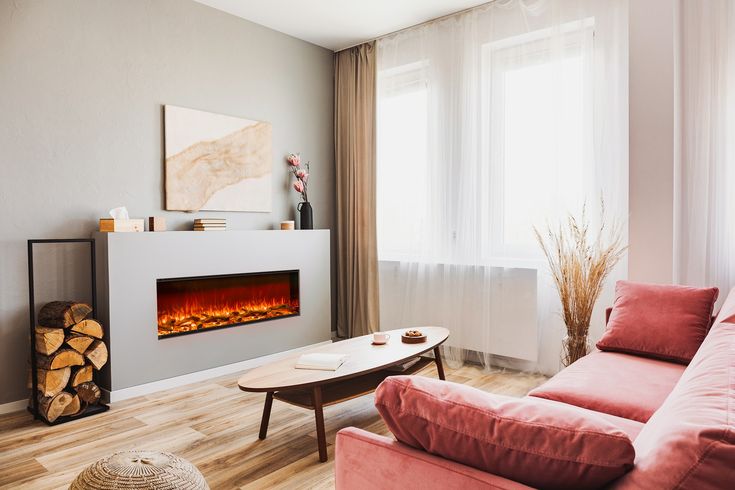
pixel 212 424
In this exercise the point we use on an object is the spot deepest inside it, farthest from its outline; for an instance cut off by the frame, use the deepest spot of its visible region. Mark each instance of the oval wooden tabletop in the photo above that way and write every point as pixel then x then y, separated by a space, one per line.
pixel 363 357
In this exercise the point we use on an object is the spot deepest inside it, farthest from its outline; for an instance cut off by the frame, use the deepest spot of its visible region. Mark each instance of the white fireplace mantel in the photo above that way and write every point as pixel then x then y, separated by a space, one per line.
pixel 128 265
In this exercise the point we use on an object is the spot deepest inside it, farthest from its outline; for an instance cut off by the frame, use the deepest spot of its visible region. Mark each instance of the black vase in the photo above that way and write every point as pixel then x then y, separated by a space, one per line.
pixel 307 216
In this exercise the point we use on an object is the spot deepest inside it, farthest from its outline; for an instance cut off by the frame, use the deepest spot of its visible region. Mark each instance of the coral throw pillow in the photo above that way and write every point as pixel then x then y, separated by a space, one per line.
pixel 538 444
pixel 660 321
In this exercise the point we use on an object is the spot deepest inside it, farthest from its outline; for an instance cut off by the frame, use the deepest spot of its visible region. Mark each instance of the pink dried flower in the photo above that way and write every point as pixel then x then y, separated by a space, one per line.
pixel 299 186
pixel 301 174
pixel 294 159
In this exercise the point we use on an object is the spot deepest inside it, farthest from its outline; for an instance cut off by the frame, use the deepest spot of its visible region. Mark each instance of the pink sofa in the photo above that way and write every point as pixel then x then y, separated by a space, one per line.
pixel 681 420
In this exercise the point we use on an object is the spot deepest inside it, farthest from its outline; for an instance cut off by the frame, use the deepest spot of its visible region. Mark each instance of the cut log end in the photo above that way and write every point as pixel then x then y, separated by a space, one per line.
pixel 79 342
pixel 52 382
pixel 97 354
pixel 89 393
pixel 81 375
pixel 73 408
pixel 89 327
pixel 51 407
pixel 60 359
pixel 63 314
pixel 48 340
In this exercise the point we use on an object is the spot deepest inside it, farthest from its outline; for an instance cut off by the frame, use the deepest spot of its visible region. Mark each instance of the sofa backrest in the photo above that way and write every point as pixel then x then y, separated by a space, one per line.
pixel 727 312
pixel 690 441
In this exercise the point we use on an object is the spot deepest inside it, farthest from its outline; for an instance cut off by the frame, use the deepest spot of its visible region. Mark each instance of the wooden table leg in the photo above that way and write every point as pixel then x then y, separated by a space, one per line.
pixel 438 360
pixel 266 415
pixel 321 438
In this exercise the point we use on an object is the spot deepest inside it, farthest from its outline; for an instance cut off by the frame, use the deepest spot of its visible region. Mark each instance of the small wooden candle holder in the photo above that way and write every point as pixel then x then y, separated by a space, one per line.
pixel 156 223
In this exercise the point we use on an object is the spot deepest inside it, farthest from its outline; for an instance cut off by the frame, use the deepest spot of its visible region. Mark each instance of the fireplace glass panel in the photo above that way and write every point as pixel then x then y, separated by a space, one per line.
pixel 196 304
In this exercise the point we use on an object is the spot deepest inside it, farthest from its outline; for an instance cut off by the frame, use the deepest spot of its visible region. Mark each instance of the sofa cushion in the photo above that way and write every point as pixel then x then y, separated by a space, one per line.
pixel 689 443
pixel 631 427
pixel 661 321
pixel 537 444
pixel 627 386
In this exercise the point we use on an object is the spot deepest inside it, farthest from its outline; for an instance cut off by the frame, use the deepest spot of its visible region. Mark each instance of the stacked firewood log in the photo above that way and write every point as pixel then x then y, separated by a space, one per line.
pixel 69 348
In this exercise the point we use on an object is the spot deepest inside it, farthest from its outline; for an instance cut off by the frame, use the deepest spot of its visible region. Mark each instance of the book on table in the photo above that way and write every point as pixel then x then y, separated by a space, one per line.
pixel 405 366
pixel 320 361
pixel 210 224
pixel 209 228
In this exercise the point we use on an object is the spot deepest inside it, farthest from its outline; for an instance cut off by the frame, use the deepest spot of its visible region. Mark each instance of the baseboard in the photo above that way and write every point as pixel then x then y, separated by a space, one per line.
pixel 13 406
pixel 185 379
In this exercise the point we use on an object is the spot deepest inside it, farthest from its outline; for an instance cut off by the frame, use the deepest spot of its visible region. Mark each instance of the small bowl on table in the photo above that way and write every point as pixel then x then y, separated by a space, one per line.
pixel 413 337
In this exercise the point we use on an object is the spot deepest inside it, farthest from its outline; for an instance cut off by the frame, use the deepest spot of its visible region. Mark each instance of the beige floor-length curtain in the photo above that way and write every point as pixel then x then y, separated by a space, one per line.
pixel 354 143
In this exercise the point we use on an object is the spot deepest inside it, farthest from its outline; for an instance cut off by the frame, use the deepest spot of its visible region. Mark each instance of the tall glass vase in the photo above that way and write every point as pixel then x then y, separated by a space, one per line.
pixel 306 215
pixel 574 348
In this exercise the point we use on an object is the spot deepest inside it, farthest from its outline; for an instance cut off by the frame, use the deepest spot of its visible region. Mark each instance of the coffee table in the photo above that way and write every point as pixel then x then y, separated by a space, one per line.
pixel 366 367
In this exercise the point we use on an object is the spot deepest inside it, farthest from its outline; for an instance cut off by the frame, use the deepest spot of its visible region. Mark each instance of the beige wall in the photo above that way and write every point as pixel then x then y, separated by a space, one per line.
pixel 652 144
pixel 81 89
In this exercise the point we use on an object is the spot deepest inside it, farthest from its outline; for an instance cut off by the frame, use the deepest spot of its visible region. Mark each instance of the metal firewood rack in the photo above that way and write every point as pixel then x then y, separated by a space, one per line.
pixel 33 406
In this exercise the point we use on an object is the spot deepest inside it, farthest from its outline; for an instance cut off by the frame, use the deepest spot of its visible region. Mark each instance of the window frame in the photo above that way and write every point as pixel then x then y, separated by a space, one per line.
pixel 415 75
pixel 495 248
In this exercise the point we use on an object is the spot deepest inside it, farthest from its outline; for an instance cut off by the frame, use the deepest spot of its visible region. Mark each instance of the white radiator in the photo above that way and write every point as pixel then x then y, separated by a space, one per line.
pixel 487 309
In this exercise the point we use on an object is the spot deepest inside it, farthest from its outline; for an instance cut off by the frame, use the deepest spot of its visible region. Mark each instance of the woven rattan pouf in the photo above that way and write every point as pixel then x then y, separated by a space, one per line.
pixel 144 470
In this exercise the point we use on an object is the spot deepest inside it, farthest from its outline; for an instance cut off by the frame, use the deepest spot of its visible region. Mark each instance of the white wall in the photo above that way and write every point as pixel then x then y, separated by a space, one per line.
pixel 81 89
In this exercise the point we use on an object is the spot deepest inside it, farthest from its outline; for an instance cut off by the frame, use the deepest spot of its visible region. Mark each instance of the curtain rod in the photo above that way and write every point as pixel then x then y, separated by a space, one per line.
pixel 430 21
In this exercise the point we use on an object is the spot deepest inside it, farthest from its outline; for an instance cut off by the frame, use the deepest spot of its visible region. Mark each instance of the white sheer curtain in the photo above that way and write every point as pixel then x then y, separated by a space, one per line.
pixel 706 246
pixel 489 122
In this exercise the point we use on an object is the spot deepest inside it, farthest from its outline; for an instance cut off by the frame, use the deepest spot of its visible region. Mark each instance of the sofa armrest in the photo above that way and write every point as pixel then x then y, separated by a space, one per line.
pixel 368 461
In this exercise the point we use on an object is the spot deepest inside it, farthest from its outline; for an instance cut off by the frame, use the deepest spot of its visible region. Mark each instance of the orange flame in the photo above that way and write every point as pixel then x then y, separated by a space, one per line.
pixel 196 314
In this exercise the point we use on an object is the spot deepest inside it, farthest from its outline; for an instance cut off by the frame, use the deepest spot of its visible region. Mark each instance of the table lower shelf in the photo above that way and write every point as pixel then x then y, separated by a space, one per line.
pixel 346 390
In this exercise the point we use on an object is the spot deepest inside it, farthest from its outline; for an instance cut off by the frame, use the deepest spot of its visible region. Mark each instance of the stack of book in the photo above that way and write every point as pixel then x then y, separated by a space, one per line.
pixel 210 224
pixel 321 362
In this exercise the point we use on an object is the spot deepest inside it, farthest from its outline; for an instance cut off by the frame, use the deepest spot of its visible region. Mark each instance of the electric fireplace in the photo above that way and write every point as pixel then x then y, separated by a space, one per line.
pixel 197 304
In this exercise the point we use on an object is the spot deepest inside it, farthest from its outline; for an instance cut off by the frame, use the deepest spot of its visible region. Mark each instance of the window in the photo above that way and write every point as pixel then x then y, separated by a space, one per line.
pixel 468 162
pixel 536 134
pixel 402 155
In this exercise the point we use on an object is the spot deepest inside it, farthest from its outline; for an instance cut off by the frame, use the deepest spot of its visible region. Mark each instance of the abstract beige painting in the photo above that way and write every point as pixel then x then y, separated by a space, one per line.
pixel 215 162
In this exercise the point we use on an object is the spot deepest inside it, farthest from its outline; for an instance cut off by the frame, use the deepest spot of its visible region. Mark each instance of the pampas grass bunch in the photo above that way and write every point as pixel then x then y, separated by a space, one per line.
pixel 579 265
